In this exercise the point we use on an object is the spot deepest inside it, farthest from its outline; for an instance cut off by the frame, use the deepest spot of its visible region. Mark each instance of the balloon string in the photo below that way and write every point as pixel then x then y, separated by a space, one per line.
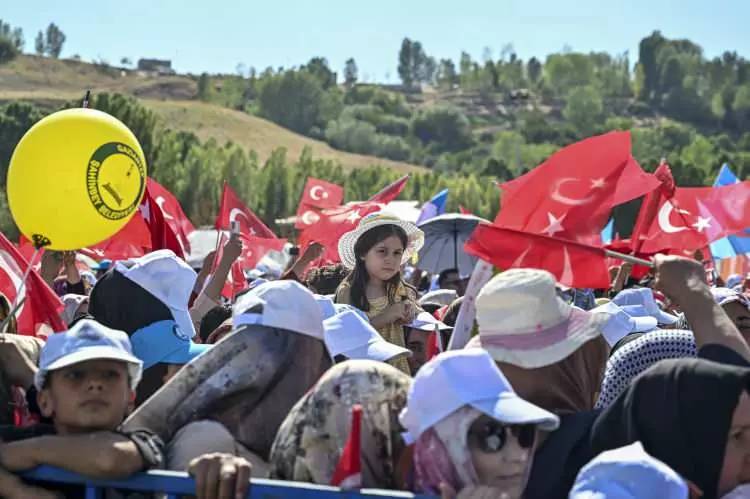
pixel 18 301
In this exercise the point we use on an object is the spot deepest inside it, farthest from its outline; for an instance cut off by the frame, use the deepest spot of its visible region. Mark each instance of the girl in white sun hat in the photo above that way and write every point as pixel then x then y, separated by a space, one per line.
pixel 375 252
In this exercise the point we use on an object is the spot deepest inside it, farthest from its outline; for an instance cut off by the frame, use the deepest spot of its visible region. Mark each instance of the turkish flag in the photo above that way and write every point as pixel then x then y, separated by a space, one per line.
pixel 696 216
pixel 233 209
pixel 390 192
pixel 333 224
pixel 162 234
pixel 39 314
pixel 348 472
pixel 572 263
pixel 572 193
pixel 172 212
pixel 321 194
pixel 650 205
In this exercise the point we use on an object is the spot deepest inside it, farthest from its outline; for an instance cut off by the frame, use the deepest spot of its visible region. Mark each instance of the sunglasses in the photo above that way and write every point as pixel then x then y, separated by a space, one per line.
pixel 492 436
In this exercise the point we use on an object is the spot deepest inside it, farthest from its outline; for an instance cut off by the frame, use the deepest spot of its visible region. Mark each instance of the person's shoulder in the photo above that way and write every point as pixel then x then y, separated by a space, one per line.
pixel 722 354
pixel 11 433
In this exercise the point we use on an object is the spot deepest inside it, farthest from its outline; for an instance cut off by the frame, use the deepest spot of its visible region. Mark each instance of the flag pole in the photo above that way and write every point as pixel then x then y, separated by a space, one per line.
pixel 629 258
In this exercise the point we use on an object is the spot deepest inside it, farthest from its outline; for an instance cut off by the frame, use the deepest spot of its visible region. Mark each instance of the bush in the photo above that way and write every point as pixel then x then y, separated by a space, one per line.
pixel 352 135
pixel 8 50
pixel 292 99
pixel 394 148
pixel 393 125
pixel 445 128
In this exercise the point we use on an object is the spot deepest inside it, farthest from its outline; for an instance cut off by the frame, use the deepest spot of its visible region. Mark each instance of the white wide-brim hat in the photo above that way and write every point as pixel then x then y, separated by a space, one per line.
pixel 414 235
pixel 523 322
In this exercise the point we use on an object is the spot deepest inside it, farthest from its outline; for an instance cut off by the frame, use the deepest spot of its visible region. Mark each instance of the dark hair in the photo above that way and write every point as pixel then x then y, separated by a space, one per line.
pixel 358 277
pixel 213 319
pixel 325 280
pixel 430 307
pixel 451 314
pixel 444 275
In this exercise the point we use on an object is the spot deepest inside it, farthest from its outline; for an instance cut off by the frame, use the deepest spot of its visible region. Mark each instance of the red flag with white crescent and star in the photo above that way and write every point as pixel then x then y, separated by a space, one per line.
pixel 317 196
pixel 695 216
pixel 331 225
pixel 572 263
pixel 233 209
pixel 321 194
pixel 572 193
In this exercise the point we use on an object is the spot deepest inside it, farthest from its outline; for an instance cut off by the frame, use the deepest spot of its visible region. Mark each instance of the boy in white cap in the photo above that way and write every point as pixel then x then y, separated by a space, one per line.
pixel 86 381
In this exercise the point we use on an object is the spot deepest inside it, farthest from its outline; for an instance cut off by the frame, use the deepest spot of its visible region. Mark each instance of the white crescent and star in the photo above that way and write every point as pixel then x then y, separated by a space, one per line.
pixel 556 195
pixel 314 193
pixel 353 216
pixel 663 219
pixel 310 218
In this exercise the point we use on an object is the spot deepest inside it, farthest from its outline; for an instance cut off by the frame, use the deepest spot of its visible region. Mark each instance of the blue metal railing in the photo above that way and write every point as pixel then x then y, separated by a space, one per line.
pixel 177 484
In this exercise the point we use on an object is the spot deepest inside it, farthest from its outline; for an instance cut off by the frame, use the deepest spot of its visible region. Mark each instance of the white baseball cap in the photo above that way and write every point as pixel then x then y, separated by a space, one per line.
pixel 280 304
pixel 169 279
pixel 620 324
pixel 457 378
pixel 351 335
pixel 628 473
pixel 87 340
pixel 640 302
pixel 425 321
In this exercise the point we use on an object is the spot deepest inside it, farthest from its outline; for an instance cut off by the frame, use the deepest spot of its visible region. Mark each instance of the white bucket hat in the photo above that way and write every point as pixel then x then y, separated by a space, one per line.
pixel 466 377
pixel 523 322
pixel 620 324
pixel 351 335
pixel 347 242
pixel 280 304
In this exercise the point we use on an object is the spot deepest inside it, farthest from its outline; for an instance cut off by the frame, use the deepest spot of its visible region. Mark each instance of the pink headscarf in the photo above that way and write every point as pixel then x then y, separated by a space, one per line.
pixel 441 454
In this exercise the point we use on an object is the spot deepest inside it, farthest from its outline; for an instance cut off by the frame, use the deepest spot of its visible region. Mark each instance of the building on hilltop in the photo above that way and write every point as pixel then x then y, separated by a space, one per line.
pixel 159 66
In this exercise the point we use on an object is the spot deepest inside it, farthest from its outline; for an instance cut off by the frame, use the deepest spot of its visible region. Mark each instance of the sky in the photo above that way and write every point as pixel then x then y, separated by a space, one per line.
pixel 216 36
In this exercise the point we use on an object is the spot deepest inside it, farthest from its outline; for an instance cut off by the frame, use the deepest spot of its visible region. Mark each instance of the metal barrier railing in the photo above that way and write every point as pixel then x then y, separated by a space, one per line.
pixel 176 484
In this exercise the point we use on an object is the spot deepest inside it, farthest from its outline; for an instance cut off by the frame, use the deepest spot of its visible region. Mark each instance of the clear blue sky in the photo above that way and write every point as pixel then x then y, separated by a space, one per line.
pixel 217 35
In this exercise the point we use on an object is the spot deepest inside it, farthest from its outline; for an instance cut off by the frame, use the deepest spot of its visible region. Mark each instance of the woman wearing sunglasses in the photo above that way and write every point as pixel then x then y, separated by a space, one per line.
pixel 470 429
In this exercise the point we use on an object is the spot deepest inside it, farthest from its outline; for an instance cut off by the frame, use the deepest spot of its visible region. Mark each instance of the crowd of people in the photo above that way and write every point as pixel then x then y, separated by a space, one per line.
pixel 636 391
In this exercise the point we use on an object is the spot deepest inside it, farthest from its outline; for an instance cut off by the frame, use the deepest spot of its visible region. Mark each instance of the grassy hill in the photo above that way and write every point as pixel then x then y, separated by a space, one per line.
pixel 49 82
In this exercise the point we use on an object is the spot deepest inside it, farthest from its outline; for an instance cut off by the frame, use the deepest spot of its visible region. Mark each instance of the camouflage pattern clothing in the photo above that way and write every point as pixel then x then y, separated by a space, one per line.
pixel 309 442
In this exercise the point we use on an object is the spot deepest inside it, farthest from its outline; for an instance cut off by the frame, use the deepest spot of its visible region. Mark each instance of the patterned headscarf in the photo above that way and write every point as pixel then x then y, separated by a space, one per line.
pixel 441 453
pixel 638 355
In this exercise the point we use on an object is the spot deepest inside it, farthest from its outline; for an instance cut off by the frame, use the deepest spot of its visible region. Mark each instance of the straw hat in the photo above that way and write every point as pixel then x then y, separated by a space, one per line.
pixel 347 242
pixel 523 322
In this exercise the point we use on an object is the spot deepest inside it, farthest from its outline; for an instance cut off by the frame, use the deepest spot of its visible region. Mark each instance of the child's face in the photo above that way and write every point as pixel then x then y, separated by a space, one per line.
pixel 383 261
pixel 89 396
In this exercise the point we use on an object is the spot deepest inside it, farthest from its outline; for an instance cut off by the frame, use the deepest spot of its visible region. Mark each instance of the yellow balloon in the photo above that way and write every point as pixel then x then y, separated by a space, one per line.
pixel 75 179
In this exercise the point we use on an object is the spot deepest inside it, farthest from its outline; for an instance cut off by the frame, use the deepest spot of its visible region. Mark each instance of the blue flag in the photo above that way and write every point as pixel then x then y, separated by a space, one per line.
pixel 608 233
pixel 730 246
pixel 433 207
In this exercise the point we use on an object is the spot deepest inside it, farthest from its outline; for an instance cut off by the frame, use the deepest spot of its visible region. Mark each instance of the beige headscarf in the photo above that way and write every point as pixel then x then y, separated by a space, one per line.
pixel 568 386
